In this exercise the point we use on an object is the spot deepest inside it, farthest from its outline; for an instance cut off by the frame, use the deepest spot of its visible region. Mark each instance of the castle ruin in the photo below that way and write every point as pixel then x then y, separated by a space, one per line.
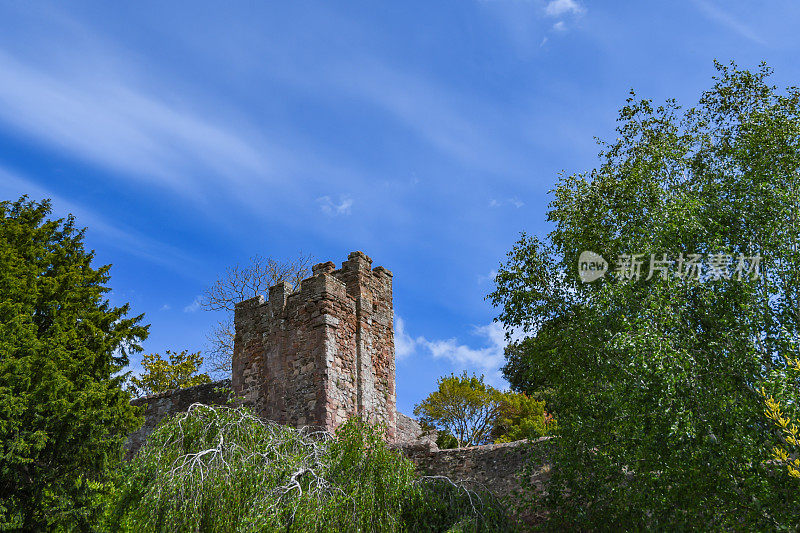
pixel 323 353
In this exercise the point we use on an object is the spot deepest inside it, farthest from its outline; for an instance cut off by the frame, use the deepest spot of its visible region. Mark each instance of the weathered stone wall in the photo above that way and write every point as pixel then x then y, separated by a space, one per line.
pixel 323 353
pixel 371 290
pixel 157 407
pixel 498 468
pixel 410 432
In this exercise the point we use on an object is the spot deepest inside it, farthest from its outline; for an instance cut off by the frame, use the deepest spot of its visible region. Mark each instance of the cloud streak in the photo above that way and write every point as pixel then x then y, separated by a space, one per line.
pixel 486 359
pixel 151 250
pixel 102 119
pixel 515 202
pixel 454 124
pixel 556 8
pixel 726 19
pixel 329 207
pixel 194 306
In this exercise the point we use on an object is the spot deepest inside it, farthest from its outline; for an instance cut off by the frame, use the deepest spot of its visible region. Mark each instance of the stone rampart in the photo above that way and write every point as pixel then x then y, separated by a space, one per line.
pixel 410 432
pixel 497 468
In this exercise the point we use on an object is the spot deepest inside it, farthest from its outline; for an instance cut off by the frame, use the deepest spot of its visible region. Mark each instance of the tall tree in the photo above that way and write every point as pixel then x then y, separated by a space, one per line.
pixel 655 378
pixel 63 413
pixel 237 284
pixel 463 406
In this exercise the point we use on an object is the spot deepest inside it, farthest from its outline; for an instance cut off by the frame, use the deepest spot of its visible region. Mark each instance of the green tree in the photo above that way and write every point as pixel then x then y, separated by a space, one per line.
pixel 656 382
pixel 63 413
pixel 521 417
pixel 159 375
pixel 463 406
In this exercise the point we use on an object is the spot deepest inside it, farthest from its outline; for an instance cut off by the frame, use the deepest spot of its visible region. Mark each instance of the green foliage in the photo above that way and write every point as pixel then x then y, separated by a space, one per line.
pixel 521 417
pixel 222 469
pixel 463 406
pixel 786 451
pixel 63 412
pixel 179 372
pixel 655 383
pixel 445 440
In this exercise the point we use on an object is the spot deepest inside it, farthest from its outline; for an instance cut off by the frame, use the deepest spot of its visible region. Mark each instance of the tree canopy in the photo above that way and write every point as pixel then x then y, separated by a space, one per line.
pixel 654 371
pixel 63 413
pixel 464 406
pixel 465 411
pixel 180 370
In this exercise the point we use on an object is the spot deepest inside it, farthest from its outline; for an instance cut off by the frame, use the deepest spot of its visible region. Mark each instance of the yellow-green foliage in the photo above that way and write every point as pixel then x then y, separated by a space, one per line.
pixel 789 430
pixel 159 375
pixel 463 406
pixel 521 417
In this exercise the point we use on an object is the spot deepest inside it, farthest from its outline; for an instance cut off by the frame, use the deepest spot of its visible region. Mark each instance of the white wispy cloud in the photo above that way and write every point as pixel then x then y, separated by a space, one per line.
pixel 486 359
pixel 559 26
pixel 717 14
pixel 329 207
pixel 556 8
pixel 165 307
pixel 404 344
pixel 488 277
pixel 194 306
pixel 106 119
pixel 453 123
pixel 515 202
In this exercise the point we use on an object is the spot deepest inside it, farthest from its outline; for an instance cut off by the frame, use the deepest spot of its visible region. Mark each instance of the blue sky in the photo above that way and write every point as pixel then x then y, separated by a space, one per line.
pixel 189 136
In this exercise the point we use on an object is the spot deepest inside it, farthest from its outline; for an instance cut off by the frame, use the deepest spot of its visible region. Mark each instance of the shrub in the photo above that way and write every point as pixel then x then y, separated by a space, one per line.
pixel 521 417
pixel 223 469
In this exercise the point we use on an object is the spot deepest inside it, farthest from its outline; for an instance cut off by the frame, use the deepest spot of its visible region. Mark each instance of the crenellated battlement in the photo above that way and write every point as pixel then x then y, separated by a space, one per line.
pixel 322 353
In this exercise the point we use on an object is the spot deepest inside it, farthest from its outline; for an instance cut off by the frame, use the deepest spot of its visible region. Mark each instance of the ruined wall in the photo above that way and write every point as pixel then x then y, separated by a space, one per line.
pixel 498 468
pixel 323 353
pixel 410 432
pixel 159 406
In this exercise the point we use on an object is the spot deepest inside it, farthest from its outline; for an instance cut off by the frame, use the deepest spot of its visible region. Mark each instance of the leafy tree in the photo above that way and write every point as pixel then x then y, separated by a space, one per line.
pixel 521 417
pixel 655 382
pixel 159 375
pixel 63 413
pixel 223 469
pixel 239 283
pixel 463 406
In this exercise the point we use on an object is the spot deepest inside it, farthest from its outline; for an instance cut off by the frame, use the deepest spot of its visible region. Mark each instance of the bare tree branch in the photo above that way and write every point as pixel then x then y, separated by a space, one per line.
pixel 237 284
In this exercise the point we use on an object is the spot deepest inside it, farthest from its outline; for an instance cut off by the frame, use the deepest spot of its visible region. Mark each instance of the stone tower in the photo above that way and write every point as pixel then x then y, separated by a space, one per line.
pixel 323 353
